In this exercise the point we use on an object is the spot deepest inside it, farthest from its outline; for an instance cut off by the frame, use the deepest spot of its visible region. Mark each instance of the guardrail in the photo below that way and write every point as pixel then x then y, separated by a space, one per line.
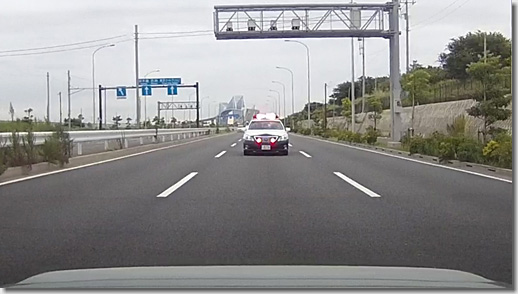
pixel 80 137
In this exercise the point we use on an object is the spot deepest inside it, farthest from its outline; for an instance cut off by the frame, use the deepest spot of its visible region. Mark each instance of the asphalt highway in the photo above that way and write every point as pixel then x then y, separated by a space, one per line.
pixel 204 203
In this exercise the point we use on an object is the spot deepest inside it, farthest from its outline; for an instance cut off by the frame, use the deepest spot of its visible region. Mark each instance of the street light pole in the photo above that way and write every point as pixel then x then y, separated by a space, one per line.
pixel 93 81
pixel 201 105
pixel 274 103
pixel 292 95
pixel 309 78
pixel 279 100
pixel 284 98
pixel 190 95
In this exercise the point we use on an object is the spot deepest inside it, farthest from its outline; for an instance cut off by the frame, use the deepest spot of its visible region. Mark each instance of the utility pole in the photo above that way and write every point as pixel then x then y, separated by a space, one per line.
pixel 48 97
pixel 362 51
pixel 485 60
pixel 60 110
pixel 137 94
pixel 395 75
pixel 197 105
pixel 325 106
pixel 353 95
pixel 407 34
pixel 69 109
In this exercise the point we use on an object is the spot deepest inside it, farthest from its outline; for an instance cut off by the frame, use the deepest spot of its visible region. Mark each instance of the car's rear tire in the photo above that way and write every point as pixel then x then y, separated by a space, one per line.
pixel 246 153
pixel 284 153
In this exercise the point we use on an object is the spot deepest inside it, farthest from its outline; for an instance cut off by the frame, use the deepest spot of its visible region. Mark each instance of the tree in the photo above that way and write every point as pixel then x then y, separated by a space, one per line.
pixel 436 73
pixel 468 49
pixel 128 123
pixel 347 110
pixel 159 122
pixel 417 84
pixel 492 100
pixel 376 106
pixel 117 119
pixel 28 116
pixel 80 119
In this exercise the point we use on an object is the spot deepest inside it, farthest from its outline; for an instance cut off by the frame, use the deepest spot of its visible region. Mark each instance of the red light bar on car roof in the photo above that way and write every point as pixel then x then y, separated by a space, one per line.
pixel 270 116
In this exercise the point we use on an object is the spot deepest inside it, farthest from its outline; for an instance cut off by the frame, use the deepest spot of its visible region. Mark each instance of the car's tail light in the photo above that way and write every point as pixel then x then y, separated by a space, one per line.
pixel 273 139
pixel 258 140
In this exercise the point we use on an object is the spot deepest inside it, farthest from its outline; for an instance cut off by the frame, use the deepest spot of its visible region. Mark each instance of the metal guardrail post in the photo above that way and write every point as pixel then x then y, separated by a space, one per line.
pixel 105 145
pixel 79 149
pixel 141 141
pixel 125 143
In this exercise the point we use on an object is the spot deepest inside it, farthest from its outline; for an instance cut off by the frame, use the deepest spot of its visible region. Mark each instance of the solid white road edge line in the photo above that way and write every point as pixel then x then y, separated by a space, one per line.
pixel 233 145
pixel 305 154
pixel 357 185
pixel 416 161
pixel 99 162
pixel 220 154
pixel 175 187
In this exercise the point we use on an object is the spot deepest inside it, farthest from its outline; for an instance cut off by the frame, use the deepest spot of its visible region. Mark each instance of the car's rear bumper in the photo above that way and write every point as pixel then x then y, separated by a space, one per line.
pixel 252 146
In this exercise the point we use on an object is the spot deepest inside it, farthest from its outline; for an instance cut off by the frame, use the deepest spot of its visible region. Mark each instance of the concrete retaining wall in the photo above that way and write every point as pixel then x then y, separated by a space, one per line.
pixel 428 119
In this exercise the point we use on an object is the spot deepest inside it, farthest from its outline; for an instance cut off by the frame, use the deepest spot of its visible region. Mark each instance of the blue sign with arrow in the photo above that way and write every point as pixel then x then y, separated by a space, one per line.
pixel 172 90
pixel 121 92
pixel 146 91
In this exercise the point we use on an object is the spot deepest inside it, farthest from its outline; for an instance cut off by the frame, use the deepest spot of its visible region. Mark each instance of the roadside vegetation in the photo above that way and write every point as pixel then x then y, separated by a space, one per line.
pixel 20 149
pixel 465 72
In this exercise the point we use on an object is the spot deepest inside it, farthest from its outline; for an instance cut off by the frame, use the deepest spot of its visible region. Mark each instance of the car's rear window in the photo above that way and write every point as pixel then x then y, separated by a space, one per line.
pixel 265 125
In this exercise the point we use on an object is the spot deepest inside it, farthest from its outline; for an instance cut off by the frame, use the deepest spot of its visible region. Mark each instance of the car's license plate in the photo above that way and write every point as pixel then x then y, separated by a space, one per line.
pixel 266 147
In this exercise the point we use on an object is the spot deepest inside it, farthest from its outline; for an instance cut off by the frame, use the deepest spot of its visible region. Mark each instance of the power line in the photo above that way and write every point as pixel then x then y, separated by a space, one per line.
pixel 63 45
pixel 176 33
pixel 436 14
pixel 60 50
pixel 452 11
pixel 173 37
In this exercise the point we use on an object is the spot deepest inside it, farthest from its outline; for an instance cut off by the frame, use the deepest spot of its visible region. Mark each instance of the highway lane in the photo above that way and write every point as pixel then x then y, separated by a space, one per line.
pixel 257 210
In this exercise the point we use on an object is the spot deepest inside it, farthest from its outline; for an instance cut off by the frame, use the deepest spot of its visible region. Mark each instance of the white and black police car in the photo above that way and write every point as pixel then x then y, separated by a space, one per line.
pixel 265 134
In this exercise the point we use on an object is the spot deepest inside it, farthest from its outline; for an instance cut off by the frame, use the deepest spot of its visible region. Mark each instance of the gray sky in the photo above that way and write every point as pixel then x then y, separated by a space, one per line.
pixel 223 68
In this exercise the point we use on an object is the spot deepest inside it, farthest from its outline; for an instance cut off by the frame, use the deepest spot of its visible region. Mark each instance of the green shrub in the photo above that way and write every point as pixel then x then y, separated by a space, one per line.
pixel 57 148
pixel 357 138
pixel 345 135
pixel 305 132
pixel 499 151
pixel 3 160
pixel 371 135
pixel 446 151
pixel 15 152
pixel 469 150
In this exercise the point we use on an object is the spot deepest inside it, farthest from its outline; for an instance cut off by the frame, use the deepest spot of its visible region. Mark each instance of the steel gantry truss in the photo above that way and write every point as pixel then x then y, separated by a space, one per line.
pixel 344 20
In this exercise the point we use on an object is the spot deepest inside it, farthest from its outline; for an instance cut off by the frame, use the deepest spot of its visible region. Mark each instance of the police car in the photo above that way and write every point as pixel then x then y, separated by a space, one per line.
pixel 265 134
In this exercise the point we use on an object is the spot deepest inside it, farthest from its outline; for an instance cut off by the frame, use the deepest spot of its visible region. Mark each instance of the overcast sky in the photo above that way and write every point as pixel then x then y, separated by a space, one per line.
pixel 223 68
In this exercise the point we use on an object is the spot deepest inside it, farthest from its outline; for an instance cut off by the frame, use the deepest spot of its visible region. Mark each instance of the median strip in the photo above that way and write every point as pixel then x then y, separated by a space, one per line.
pixel 175 187
pixel 93 159
pixel 357 185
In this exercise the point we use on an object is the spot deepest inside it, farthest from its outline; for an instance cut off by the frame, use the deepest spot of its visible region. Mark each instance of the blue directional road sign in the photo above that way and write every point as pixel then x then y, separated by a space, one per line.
pixel 121 92
pixel 146 91
pixel 172 90
pixel 160 81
